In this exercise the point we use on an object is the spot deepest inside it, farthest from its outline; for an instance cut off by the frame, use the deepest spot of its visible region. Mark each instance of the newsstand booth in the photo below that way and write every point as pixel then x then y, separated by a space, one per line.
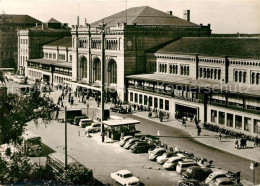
pixel 114 128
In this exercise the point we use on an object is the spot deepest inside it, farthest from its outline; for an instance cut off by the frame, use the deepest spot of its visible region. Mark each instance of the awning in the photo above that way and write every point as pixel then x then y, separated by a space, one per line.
pixel 123 122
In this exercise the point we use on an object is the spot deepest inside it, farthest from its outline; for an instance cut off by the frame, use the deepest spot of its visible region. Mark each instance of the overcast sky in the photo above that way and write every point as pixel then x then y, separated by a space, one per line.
pixel 225 16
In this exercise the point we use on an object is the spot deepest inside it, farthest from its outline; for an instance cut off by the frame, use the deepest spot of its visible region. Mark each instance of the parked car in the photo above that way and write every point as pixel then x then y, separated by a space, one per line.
pixel 216 174
pixel 94 127
pixel 196 173
pixel 183 165
pixel 78 118
pixel 140 147
pixel 85 122
pixel 190 183
pixel 130 142
pixel 118 109
pixel 124 140
pixel 155 153
pixel 222 181
pixel 162 159
pixel 152 149
pixel 19 79
pixel 171 163
pixel 125 177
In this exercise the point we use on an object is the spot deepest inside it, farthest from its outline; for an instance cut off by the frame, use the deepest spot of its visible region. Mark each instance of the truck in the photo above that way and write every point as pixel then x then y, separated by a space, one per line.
pixel 72 113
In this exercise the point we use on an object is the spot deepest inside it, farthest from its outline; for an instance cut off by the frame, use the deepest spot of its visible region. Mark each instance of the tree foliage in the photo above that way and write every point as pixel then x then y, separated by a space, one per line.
pixel 17 110
pixel 9 63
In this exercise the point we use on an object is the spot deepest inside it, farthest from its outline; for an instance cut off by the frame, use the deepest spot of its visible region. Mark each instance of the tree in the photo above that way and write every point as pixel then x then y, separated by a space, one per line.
pixel 9 63
pixel 17 110
pixel 2 77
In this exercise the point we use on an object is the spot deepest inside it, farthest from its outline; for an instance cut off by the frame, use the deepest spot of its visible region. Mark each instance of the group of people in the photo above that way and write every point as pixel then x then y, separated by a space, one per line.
pixel 241 143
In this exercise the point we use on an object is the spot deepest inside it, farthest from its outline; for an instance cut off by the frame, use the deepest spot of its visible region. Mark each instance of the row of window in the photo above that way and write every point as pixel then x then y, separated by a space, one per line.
pixel 185 69
pixel 228 119
pixel 255 78
pixel 60 80
pixel 210 73
pixel 49 55
pixel 24 41
pixel 23 50
pixel 35 74
pixel 149 101
pixel 240 76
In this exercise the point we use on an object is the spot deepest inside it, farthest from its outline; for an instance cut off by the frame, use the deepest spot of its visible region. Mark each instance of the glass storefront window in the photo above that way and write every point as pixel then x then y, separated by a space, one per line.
pixel 155 102
pixel 145 100
pixel 221 118
pixel 161 103
pixel 213 116
pixel 150 101
pixel 229 120
pixel 167 105
pixel 140 99
pixel 256 126
pixel 238 122
pixel 136 97
pixel 248 124
pixel 131 96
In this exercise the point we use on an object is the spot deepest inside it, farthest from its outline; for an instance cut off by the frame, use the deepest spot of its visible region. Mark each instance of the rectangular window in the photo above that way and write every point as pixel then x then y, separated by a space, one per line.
pixel 70 57
pixel 155 102
pixel 61 57
pixel 54 56
pixel 50 55
pixel 238 122
pixel 167 105
pixel 248 124
pixel 136 97
pixel 213 116
pixel 140 99
pixel 145 100
pixel 256 126
pixel 229 120
pixel 45 55
pixel 150 101
pixel 221 118
pixel 161 103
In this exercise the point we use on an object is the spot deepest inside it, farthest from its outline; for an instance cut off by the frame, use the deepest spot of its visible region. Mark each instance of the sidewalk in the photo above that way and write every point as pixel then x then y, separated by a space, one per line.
pixel 210 138
pixel 207 137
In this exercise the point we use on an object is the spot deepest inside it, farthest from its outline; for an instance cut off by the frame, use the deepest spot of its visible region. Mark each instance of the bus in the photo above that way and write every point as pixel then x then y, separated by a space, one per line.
pixel 31 144
pixel 56 161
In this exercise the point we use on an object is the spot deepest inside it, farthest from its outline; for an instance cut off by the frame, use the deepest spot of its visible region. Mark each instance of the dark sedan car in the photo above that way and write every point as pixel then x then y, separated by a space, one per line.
pixel 196 173
pixel 140 147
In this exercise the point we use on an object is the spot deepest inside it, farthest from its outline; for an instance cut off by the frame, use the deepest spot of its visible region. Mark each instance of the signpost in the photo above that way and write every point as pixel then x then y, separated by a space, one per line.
pixel 253 165
pixel 66 160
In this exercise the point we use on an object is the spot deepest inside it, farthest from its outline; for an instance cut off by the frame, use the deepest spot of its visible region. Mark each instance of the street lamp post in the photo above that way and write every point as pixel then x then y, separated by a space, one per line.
pixel 102 26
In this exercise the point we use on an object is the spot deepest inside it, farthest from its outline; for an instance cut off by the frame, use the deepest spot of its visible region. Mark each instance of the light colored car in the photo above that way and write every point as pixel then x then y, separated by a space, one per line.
pixel 19 79
pixel 162 159
pixel 183 165
pixel 94 127
pixel 222 181
pixel 125 177
pixel 130 142
pixel 124 140
pixel 216 174
pixel 9 76
pixel 85 122
pixel 155 153
pixel 171 163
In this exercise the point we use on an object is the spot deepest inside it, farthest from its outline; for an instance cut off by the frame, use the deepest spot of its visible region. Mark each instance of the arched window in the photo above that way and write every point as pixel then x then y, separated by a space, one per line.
pixel 112 71
pixel 215 73
pixel 201 72
pixel 253 78
pixel 185 71
pixel 188 71
pixel 176 69
pixel 97 69
pixel 257 78
pixel 240 77
pixel 244 77
pixel 211 73
pixel 170 69
pixel 181 70
pixel 205 72
pixel 208 73
pixel 165 68
pixel 219 74
pixel 236 76
pixel 83 73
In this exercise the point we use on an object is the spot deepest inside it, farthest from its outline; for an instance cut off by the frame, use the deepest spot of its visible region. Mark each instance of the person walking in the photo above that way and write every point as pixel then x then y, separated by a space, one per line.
pixel 199 130
pixel 57 113
pixel 72 100
pixel 219 135
pixel 183 122
pixel 236 144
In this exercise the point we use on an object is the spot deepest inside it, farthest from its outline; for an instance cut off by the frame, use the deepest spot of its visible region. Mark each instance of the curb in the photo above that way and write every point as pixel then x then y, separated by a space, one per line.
pixel 198 140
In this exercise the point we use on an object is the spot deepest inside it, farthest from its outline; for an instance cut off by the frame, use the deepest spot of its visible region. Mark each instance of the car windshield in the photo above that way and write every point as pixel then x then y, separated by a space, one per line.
pixel 33 141
pixel 128 175
pixel 189 170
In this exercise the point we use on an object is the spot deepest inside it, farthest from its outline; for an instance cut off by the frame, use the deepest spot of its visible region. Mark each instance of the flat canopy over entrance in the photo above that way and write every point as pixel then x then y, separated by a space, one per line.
pixel 113 123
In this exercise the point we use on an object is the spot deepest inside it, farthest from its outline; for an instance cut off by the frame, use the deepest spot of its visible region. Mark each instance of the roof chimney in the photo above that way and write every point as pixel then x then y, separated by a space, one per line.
pixel 78 20
pixel 169 12
pixel 186 15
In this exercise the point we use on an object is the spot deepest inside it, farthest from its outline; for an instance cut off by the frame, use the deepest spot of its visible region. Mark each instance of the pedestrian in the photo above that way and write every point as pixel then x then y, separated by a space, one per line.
pixel 72 100
pixel 82 98
pixel 183 122
pixel 150 114
pixel 236 144
pixel 69 99
pixel 134 106
pixel 219 135
pixel 62 106
pixel 256 141
pixel 199 131
pixel 57 113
